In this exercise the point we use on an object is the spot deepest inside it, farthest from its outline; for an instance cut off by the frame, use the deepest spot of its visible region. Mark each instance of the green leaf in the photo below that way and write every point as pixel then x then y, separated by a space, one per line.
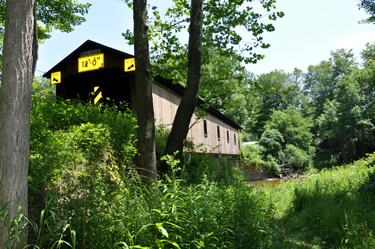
pixel 170 242
pixel 162 229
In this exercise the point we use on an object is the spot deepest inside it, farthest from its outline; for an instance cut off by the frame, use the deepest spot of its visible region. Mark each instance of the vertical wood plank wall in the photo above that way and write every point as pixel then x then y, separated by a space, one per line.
pixel 165 108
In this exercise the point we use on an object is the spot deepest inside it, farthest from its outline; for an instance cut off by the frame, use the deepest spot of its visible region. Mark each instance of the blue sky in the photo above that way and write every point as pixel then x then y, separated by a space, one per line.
pixel 306 35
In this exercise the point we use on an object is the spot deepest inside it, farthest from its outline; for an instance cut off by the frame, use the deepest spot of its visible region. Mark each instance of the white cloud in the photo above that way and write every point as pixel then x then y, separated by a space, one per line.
pixel 355 41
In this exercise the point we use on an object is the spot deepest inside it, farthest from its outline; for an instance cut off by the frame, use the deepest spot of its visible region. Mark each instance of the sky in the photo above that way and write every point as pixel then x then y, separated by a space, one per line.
pixel 305 36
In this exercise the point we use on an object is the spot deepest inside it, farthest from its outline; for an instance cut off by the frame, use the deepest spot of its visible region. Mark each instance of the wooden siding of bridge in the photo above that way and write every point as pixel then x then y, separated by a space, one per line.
pixel 165 108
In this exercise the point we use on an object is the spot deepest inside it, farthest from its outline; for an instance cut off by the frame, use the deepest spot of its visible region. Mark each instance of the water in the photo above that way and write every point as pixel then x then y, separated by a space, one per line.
pixel 269 183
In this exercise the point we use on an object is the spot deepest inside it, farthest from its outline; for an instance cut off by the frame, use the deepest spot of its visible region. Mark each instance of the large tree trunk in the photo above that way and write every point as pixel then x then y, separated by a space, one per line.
pixel 189 100
pixel 146 156
pixel 15 105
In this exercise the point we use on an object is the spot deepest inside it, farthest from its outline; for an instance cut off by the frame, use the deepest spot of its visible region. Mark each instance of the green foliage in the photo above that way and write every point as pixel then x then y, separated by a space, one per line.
pixel 247 136
pixel 271 165
pixel 320 81
pixel 42 88
pixel 229 88
pixel 44 234
pixel 98 194
pixel 81 159
pixel 368 54
pixel 369 184
pixel 71 142
pixel 346 125
pixel 61 15
pixel 294 128
pixel 15 226
pixel 369 7
pixel 294 157
pixel 278 90
pixel 161 138
pixel 327 210
pixel 252 155
pixel 224 172
pixel 219 30
pixel 271 140
pixel 195 166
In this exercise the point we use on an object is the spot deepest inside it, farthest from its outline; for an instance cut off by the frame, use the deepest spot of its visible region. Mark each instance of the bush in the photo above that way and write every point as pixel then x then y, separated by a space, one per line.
pixel 271 165
pixel 161 138
pixel 271 140
pixel 295 129
pixel 78 152
pixel 252 155
pixel 294 157
pixel 195 166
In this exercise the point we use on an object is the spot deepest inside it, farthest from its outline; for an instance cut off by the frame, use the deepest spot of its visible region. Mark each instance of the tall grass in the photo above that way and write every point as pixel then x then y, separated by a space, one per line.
pixel 81 161
pixel 82 174
pixel 328 210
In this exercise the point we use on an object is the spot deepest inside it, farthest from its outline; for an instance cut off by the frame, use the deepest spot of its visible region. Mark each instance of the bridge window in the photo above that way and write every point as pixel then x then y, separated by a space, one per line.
pixel 218 133
pixel 228 136
pixel 205 127
pixel 235 141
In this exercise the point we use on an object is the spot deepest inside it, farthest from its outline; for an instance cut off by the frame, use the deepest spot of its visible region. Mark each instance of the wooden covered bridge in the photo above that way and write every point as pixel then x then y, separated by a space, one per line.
pixel 109 74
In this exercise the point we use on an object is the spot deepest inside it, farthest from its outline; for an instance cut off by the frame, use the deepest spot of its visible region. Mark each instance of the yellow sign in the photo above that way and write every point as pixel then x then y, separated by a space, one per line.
pixel 129 65
pixel 89 63
pixel 98 95
pixel 56 77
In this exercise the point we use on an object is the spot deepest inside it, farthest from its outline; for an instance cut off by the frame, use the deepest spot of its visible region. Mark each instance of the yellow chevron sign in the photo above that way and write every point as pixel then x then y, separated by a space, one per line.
pixel 98 94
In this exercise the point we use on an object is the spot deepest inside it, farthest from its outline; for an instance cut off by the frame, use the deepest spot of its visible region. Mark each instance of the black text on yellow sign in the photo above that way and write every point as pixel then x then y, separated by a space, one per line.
pixel 98 94
pixel 89 63
pixel 56 77
pixel 129 65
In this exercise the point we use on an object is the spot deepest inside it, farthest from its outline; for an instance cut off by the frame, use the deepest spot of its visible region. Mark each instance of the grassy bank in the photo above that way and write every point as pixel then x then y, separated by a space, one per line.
pixel 334 209
pixel 82 175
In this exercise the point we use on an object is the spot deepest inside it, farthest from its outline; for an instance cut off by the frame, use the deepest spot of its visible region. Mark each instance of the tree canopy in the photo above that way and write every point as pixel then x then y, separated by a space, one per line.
pixel 62 15
pixel 369 7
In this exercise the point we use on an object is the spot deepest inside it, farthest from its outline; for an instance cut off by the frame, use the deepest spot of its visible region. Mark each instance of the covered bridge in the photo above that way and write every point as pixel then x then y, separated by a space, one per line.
pixel 109 74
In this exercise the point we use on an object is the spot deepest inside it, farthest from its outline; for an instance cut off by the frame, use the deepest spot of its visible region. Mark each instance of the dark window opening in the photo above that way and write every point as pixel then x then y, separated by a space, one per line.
pixel 218 133
pixel 228 136
pixel 235 141
pixel 205 127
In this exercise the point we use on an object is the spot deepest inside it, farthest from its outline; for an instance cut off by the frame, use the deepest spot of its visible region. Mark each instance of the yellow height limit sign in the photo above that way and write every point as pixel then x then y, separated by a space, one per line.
pixel 89 63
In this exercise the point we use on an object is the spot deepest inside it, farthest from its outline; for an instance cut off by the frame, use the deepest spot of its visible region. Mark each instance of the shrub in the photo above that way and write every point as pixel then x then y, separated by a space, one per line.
pixel 294 157
pixel 252 155
pixel 161 138
pixel 271 165
pixel 271 140
pixel 295 129
pixel 194 166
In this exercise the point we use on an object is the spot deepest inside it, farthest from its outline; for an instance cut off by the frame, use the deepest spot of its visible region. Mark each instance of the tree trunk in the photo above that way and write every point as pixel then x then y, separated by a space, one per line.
pixel 15 105
pixel 146 156
pixel 189 100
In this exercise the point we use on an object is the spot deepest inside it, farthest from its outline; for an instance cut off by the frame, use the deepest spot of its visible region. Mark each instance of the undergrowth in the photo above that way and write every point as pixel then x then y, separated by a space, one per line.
pixel 85 193
pixel 82 166
pixel 333 209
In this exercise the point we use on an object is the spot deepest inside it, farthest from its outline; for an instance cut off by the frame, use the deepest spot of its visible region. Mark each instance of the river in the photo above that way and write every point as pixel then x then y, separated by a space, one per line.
pixel 270 183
